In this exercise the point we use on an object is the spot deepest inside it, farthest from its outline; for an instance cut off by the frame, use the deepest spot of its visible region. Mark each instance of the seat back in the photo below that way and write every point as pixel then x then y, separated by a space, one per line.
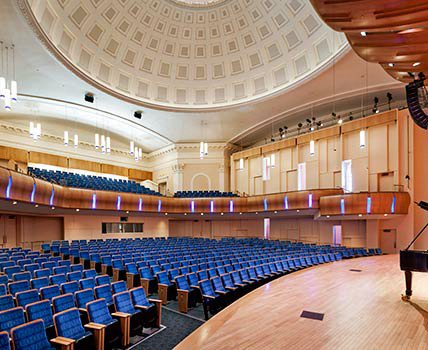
pixel 27 297
pixel 4 279
pixel 6 302
pixel 89 274
pixel 207 288
pixel 40 310
pixel 181 282
pixel 57 279
pixel 227 281
pixel 4 341
pixel 83 297
pixel 218 285
pixel 68 324
pixel 119 287
pixel 104 291
pixel 123 303
pixel 3 289
pixel 138 297
pixel 74 276
pixel 49 292
pixel 42 273
pixel 30 335
pixel 38 283
pixel 87 283
pixel 10 270
pixel 63 302
pixel 103 279
pixel 70 287
pixel 163 278
pixel 20 286
pixel 98 312
pixel 11 318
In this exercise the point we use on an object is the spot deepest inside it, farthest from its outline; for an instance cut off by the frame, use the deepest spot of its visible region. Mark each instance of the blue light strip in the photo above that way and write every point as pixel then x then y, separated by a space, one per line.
pixel 33 194
pixel 94 201
pixel 369 205
pixel 310 200
pixel 394 201
pixel 140 204
pixel 192 206
pixel 231 206
pixel 265 204
pixel 51 201
pixel 9 187
pixel 118 203
pixel 159 206
pixel 342 206
pixel 212 206
pixel 286 203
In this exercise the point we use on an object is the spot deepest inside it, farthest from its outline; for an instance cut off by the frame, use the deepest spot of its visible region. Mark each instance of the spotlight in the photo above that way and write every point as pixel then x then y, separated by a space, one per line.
pixel 363 33
pixel 272 139
pixel 285 128
pixel 313 118
pixel 416 64
pixel 138 114
pixel 391 65
pixel 299 125
pixel 308 121
pixel 376 101
pixel 89 97
pixel 389 97
pixel 280 130
pixel 340 121
pixel 421 76
pixel 333 114
pixel 411 75
pixel 319 124
pixel 351 117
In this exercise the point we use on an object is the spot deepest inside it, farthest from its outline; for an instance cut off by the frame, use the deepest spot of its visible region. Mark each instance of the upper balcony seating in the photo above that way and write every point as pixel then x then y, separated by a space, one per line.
pixel 90 182
pixel 203 194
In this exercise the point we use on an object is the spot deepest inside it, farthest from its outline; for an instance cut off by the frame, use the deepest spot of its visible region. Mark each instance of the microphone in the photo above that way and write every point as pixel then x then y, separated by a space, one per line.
pixel 423 205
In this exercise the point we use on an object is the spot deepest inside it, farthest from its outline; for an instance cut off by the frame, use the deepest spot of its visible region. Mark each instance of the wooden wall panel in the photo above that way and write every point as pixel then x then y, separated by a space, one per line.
pixel 43 192
pixel 317 135
pixel 84 165
pixel 140 175
pixel 60 196
pixel 18 155
pixel 22 187
pixel 377 119
pixel 4 181
pixel 113 169
pixel 44 158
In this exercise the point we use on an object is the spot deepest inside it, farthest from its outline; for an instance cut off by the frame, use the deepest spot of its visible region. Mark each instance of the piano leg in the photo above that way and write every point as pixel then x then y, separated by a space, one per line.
pixel 408 276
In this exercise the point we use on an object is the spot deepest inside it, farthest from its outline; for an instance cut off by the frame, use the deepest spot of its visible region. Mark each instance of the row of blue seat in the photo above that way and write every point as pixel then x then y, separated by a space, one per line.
pixel 203 194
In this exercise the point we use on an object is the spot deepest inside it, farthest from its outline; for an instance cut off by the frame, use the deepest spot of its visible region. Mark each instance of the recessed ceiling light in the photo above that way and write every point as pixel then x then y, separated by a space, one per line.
pixel 416 64
pixel 202 213
pixel 360 215
pixel 391 64
pixel 240 213
pixel 257 213
pixel 328 216
pixel 385 214
pixel 363 33
pixel 166 213
pixel 36 205
pixel 185 213
pixel 298 210
pixel 14 202
pixel 275 212
pixel 222 214
pixel 53 208
pixel 77 209
pixel 340 121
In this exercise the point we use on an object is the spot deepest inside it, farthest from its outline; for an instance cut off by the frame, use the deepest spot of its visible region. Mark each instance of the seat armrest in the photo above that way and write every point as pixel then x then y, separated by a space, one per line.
pixel 121 314
pixel 156 301
pixel 141 307
pixel 208 296
pixel 182 291
pixel 231 288
pixel 82 309
pixel 96 326
pixel 220 292
pixel 163 285
pixel 99 334
pixel 64 343
pixel 240 284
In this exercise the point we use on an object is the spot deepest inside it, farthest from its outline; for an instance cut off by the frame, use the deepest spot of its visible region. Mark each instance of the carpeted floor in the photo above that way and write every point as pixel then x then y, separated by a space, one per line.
pixel 178 327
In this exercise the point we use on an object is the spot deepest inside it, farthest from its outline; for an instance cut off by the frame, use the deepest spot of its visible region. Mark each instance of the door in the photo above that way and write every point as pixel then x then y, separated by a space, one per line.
pixel 337 234
pixel 8 230
pixel 388 241
pixel 196 228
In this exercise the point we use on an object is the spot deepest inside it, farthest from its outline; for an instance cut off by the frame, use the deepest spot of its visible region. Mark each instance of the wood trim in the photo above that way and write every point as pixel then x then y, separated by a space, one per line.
pixel 276 146
pixel 44 158
pixel 84 165
pixel 320 134
pixel 377 119
pixel 252 152
pixel 139 175
pixel 15 154
pixel 113 169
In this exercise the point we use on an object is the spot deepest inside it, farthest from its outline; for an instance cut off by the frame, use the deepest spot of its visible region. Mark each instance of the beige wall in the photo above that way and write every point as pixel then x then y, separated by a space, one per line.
pixel 200 177
pixel 89 227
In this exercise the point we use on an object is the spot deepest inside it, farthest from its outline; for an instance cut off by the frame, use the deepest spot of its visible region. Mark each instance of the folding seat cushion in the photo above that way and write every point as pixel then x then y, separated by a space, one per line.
pixel 118 287
pixel 70 287
pixel 42 310
pixel 151 309
pixel 47 293
pixel 3 289
pixel 30 335
pixel 123 303
pixel 6 302
pixel 42 273
pixel 4 341
pixel 68 325
pixel 87 283
pixel 89 273
pixel 20 286
pixel 99 313
pixel 57 279
pixel 63 302
pixel 11 318
pixel 27 297
pixel 38 283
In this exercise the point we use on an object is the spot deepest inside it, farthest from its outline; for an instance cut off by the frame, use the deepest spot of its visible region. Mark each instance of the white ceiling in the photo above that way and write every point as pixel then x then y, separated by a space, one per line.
pixel 46 86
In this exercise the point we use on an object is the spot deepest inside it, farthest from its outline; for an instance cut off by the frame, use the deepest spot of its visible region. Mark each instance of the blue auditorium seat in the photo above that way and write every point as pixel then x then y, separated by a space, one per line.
pixel 4 341
pixel 104 291
pixel 30 336
pixel 11 318
pixel 50 292
pixel 118 287
pixel 63 302
pixel 27 297
pixel 123 303
pixel 42 310
pixel 6 302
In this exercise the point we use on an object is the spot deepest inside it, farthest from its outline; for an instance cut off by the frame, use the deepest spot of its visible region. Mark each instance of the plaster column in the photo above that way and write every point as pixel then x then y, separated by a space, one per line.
pixel 221 177
pixel 177 170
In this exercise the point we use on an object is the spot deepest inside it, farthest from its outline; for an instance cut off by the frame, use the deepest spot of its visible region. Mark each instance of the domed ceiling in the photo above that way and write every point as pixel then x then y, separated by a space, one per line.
pixel 185 54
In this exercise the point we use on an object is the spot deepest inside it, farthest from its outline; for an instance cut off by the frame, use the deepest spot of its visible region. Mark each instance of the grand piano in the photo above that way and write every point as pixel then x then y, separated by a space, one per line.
pixel 413 260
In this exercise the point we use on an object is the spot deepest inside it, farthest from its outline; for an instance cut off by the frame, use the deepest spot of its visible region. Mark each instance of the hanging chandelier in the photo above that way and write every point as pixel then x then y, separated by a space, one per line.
pixel 8 84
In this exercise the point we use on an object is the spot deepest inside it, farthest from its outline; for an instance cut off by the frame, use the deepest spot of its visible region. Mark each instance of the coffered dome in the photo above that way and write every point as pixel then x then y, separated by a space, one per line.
pixel 186 54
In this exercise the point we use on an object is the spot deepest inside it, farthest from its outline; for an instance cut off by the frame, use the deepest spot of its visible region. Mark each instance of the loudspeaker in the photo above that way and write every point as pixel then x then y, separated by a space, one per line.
pixel 417 113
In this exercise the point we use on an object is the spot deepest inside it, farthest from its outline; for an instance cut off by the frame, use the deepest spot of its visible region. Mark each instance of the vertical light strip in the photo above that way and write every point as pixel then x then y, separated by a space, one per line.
pixel 192 206
pixel 266 227
pixel 241 164
pixel 286 203
pixel 9 187
pixel 312 148
pixel 231 206
pixel 212 206
pixel 51 201
pixel 369 205
pixel 94 201
pixel 265 204
pixel 342 206
pixel 140 204
pixel 33 194
pixel 310 200
pixel 272 160
pixel 118 203
pixel 159 206
pixel 362 138
pixel 394 201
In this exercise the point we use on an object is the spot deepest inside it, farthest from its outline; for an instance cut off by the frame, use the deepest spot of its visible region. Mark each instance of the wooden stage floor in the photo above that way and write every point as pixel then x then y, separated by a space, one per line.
pixel 363 310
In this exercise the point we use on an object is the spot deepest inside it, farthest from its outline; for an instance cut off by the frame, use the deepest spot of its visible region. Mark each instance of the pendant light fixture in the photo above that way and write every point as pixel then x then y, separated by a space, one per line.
pixel 66 140
pixel 108 146
pixel 76 140
pixel 2 73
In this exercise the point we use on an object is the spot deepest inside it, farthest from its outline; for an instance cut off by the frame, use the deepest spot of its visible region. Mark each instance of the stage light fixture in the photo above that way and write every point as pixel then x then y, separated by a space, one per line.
pixel 89 97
